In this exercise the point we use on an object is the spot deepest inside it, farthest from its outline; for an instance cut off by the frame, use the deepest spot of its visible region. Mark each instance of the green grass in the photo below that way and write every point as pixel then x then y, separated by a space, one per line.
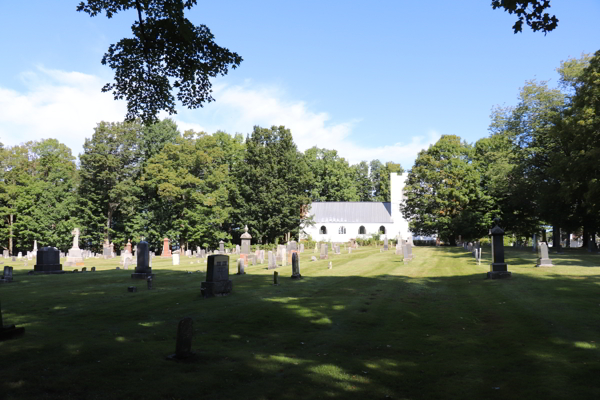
pixel 370 328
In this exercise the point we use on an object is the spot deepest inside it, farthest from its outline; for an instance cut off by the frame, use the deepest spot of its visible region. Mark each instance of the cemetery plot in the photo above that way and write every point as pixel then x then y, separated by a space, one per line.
pixel 370 327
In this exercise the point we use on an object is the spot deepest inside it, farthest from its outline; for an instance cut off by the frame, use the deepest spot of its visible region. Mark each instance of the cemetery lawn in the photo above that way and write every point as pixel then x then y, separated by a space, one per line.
pixel 370 328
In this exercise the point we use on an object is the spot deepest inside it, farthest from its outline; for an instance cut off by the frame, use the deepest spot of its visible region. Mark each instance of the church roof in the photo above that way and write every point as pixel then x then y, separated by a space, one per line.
pixel 359 212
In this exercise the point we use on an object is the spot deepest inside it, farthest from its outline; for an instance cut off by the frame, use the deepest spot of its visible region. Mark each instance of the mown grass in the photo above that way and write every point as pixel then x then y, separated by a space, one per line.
pixel 369 328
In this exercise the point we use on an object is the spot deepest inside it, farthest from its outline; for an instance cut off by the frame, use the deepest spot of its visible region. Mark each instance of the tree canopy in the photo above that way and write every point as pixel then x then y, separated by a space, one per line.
pixel 166 51
pixel 529 11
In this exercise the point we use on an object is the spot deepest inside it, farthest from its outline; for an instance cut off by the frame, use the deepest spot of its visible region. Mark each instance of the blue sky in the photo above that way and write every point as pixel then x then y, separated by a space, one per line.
pixel 380 79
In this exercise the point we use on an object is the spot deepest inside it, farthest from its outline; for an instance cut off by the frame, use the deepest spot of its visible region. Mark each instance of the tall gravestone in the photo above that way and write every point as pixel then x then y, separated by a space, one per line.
pixel 35 249
pixel 166 251
pixel 217 277
pixel 272 261
pixel 385 244
pixel 142 270
pixel 48 261
pixel 9 331
pixel 221 247
pixel 241 266
pixel 398 248
pixel 323 255
pixel 75 255
pixel 543 257
pixel 498 268
pixel 408 255
pixel 296 266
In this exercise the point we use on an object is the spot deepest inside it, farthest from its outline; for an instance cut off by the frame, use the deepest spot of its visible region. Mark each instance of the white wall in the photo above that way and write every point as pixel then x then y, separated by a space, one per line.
pixel 333 234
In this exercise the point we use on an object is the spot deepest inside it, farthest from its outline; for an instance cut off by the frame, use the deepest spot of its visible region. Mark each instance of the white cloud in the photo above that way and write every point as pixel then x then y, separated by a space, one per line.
pixel 239 108
pixel 56 104
pixel 68 105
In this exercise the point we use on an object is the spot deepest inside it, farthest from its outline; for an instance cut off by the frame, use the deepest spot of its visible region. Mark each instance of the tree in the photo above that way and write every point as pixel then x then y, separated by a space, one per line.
pixel 166 52
pixel 529 11
pixel 188 184
pixel 380 179
pixel 444 194
pixel 333 179
pixel 364 187
pixel 273 182
pixel 109 195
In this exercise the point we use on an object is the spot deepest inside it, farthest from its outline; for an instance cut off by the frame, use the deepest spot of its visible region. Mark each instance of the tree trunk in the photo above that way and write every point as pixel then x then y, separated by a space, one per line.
pixel 10 236
pixel 544 237
pixel 586 237
pixel 452 241
pixel 556 237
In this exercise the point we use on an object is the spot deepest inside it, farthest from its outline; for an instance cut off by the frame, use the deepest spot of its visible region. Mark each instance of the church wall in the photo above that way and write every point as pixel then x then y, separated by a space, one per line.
pixel 352 230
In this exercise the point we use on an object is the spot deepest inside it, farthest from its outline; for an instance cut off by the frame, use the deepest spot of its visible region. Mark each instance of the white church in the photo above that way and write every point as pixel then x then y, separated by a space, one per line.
pixel 338 221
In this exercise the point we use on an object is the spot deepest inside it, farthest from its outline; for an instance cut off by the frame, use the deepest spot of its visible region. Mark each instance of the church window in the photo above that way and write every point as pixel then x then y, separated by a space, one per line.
pixel 342 230
pixel 362 230
pixel 323 230
pixel 382 229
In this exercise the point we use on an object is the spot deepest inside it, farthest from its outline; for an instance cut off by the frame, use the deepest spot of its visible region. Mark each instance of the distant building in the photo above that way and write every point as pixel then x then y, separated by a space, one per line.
pixel 338 221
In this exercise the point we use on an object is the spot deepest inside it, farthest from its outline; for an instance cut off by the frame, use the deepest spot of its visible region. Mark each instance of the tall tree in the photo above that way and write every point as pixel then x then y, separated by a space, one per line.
pixel 110 166
pixel 188 182
pixel 167 51
pixel 364 187
pixel 444 194
pixel 273 185
pixel 333 179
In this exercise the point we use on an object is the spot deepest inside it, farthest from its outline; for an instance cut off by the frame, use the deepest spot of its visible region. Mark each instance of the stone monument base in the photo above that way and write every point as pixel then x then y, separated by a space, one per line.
pixel 499 274
pixel 323 257
pixel 10 331
pixel 544 262
pixel 219 288
pixel 297 276
pixel 142 275
pixel 47 269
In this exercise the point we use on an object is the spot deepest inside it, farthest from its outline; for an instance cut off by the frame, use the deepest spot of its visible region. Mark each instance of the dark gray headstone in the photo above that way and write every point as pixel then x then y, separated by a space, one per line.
pixel 149 283
pixel 296 266
pixel 131 289
pixel 183 345
pixel 498 268
pixel 7 277
pixel 48 261
pixel 93 269
pixel 142 269
pixel 217 277
pixel 275 278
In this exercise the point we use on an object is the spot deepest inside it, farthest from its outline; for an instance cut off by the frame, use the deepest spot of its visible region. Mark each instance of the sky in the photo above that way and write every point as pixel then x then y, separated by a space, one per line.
pixel 372 80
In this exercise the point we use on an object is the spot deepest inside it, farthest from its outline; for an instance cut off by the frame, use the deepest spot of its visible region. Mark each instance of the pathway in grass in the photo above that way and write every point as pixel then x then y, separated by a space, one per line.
pixel 370 327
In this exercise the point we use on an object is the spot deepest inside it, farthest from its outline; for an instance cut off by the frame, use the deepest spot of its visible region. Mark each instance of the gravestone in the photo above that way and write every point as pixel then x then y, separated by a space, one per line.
pixel 385 244
pixel 272 262
pixel 324 250
pixel 217 277
pixel 126 263
pixel 35 249
pixel 313 258
pixel 283 257
pixel 543 259
pixel 330 265
pixel 221 247
pixel 408 255
pixel 296 266
pixel 84 269
pixel 275 278
pixel 149 280
pixel 132 289
pixel 534 243
pixel 7 277
pixel 316 247
pixel 166 251
pixel 237 249
pixel 75 254
pixel 301 250
pixel 9 331
pixel 19 256
pixel 93 269
pixel 349 250
pixel 5 253
pixel 398 249
pixel 241 266
pixel 48 261
pixel 175 258
pixel 14 259
pixel 498 268
pixel 142 270
pixel 183 345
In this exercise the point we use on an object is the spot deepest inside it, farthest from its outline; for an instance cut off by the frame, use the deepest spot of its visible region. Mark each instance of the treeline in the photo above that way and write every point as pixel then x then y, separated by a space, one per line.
pixel 136 181
pixel 540 166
